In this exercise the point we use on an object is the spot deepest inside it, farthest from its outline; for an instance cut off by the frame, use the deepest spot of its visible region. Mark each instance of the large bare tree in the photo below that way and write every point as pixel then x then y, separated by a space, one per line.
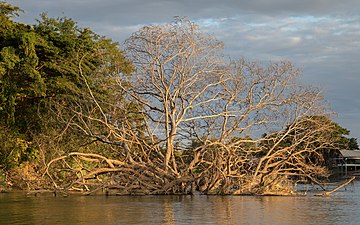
pixel 190 92
pixel 206 122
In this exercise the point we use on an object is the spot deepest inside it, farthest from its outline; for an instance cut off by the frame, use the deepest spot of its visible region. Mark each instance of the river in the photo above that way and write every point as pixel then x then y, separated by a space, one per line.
pixel 342 207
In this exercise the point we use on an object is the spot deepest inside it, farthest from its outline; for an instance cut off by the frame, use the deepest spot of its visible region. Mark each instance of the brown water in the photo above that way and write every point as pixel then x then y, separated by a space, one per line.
pixel 341 208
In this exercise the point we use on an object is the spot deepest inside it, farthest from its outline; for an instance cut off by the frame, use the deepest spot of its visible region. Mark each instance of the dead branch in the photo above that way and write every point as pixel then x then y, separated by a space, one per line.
pixel 327 193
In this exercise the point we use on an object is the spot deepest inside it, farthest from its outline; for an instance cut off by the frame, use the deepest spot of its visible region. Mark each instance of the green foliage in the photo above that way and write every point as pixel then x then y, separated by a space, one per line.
pixel 14 149
pixel 46 71
pixel 6 12
pixel 345 142
pixel 19 78
pixel 352 143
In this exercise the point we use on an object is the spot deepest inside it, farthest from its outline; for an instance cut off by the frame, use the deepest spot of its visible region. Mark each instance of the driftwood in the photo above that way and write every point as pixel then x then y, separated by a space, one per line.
pixel 90 173
pixel 327 193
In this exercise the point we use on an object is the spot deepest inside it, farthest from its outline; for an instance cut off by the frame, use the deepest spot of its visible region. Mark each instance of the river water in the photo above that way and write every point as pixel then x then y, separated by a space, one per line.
pixel 342 207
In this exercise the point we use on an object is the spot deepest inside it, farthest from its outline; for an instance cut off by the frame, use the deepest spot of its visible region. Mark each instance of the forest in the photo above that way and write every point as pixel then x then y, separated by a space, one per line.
pixel 166 112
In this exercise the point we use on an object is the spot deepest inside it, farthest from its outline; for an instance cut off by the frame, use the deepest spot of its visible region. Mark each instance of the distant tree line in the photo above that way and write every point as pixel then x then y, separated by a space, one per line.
pixel 168 114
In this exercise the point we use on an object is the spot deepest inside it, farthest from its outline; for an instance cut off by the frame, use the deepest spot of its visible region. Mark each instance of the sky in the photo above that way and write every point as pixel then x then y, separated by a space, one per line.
pixel 322 37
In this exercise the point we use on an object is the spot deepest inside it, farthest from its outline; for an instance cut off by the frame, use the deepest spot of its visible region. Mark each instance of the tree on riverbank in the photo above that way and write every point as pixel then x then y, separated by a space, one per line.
pixel 180 118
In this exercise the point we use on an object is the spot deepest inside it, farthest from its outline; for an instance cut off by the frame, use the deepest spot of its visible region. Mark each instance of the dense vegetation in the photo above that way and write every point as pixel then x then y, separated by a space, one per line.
pixel 167 115
pixel 46 72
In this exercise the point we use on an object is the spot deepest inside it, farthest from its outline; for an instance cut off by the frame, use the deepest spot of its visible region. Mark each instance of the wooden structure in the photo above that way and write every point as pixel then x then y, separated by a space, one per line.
pixel 349 162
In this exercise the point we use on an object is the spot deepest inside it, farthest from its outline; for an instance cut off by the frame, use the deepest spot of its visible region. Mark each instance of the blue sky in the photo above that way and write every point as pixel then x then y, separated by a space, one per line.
pixel 320 36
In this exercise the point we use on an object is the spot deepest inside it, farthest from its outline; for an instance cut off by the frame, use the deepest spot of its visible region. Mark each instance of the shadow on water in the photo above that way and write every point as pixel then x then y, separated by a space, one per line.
pixel 339 208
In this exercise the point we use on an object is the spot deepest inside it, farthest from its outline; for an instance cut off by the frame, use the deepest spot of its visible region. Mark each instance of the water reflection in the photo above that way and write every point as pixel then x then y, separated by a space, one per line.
pixel 169 215
pixel 341 208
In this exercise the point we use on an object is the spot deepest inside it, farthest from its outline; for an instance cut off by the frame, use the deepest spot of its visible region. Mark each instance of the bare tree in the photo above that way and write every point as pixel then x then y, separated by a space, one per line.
pixel 177 70
pixel 200 120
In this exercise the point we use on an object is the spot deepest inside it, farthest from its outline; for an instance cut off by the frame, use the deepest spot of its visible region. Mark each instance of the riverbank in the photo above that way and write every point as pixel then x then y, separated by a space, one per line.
pixel 27 179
